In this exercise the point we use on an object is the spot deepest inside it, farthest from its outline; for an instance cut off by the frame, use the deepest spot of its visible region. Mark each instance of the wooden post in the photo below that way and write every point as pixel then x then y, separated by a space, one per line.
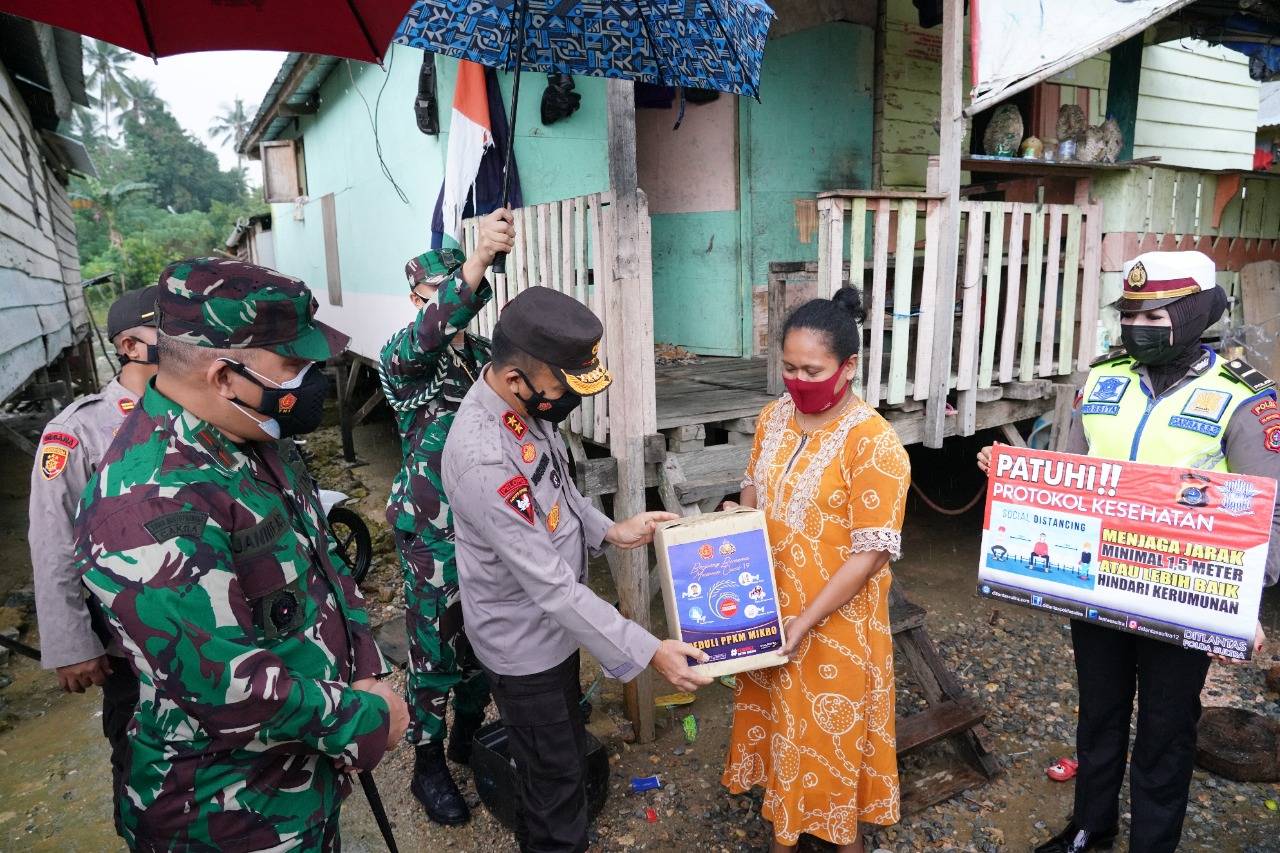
pixel 629 315
pixel 1122 89
pixel 946 179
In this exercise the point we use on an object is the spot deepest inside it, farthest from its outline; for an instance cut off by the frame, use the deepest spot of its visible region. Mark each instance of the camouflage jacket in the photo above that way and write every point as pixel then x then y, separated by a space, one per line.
pixel 424 378
pixel 217 575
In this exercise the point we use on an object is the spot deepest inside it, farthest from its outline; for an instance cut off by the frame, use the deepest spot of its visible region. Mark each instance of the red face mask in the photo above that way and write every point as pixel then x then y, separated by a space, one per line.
pixel 814 398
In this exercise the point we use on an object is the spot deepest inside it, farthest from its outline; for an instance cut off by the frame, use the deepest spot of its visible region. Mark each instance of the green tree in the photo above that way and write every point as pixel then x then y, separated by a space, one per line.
pixel 106 202
pixel 230 126
pixel 106 75
pixel 184 172
pixel 140 97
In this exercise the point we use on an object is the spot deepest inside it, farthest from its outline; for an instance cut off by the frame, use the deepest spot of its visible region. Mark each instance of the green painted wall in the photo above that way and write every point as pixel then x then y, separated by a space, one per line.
pixel 810 132
pixel 377 232
pixel 696 301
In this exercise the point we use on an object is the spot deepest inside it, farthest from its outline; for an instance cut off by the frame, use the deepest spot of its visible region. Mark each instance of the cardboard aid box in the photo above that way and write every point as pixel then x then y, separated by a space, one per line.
pixel 718 584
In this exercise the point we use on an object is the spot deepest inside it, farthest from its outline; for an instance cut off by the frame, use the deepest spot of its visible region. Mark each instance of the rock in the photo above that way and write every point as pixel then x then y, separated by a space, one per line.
pixel 22 599
pixel 13 617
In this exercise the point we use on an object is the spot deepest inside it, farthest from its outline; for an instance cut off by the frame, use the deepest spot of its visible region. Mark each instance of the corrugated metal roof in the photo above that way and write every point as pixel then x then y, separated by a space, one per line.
pixel 72 153
pixel 1269 105
pixel 269 124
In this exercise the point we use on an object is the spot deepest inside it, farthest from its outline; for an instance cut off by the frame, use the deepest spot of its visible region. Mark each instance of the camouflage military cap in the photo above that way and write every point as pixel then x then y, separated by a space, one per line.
pixel 433 267
pixel 228 304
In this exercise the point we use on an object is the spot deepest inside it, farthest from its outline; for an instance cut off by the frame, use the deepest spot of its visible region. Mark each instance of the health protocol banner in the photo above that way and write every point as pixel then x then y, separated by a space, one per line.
pixel 1170 553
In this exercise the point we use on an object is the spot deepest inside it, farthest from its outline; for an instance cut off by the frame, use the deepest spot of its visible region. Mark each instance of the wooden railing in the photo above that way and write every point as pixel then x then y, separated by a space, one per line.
pixel 569 246
pixel 1027 298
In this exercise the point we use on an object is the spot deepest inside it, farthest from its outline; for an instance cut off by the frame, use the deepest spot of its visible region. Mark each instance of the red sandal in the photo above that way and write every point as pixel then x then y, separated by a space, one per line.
pixel 1062 770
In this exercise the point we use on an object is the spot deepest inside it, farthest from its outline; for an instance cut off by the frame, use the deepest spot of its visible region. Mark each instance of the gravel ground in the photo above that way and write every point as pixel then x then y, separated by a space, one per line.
pixel 54 792
pixel 1018 662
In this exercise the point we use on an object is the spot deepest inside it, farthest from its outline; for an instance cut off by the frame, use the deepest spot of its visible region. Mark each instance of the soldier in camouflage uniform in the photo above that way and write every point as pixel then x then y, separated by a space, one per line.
pixel 426 369
pixel 209 554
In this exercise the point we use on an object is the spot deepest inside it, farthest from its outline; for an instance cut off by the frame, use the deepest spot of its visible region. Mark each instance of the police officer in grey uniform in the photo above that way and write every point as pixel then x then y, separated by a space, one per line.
pixel 523 535
pixel 73 641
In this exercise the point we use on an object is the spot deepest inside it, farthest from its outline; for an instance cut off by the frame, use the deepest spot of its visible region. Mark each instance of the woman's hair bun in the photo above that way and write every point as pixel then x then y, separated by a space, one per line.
pixel 850 300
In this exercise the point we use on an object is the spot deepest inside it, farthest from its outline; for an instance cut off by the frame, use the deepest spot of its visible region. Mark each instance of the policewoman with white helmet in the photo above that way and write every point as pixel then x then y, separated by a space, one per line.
pixel 1166 399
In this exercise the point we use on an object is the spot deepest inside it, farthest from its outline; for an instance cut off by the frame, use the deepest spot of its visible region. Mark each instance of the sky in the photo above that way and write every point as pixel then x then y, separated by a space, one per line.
pixel 198 85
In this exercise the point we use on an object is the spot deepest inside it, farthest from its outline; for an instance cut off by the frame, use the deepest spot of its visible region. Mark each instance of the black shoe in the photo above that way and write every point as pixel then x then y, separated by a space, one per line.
pixel 460 738
pixel 434 787
pixel 1073 839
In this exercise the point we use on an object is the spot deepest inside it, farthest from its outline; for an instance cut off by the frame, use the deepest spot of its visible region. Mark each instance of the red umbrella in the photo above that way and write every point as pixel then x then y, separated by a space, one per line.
pixel 355 29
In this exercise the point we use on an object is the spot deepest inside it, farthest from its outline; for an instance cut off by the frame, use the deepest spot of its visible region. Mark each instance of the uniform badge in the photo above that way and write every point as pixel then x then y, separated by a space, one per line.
pixel 528 452
pixel 55 451
pixel 1271 439
pixel 516 494
pixel 553 519
pixel 555 477
pixel 1208 404
pixel 1137 276
pixel 1265 406
pixel 514 425
pixel 125 405
pixel 1109 389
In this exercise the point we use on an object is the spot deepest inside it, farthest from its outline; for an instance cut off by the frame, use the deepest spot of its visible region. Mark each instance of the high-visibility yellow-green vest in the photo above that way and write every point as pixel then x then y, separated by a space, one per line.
pixel 1185 428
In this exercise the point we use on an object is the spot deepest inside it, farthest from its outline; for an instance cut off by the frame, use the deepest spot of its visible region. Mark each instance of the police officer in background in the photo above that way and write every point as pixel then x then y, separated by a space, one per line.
pixel 523 535
pixel 72 641
pixel 1165 400
pixel 207 548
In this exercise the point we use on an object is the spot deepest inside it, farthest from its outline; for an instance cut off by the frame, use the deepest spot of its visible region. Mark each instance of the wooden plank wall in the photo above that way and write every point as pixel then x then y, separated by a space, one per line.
pixel 42 306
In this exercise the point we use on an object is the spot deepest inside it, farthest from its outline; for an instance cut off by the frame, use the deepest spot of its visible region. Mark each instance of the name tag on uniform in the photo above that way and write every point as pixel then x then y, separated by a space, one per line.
pixel 1100 409
pixel 1195 425
pixel 1208 404
pixel 1109 389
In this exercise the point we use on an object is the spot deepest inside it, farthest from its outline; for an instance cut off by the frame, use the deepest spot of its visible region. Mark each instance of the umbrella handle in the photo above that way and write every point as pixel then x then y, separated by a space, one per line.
pixel 499 266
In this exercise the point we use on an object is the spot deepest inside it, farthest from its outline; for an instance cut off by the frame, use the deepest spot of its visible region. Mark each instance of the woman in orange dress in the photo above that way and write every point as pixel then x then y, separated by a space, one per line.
pixel 832 478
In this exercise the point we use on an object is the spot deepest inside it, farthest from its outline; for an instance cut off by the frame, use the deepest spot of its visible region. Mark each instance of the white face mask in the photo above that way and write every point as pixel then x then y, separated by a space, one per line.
pixel 270 425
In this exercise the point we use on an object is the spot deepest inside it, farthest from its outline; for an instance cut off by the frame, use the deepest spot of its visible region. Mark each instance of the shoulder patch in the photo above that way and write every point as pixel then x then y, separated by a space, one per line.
pixel 1113 356
pixel 514 425
pixel 66 439
pixel 55 452
pixel 1246 375
pixel 171 525
pixel 515 492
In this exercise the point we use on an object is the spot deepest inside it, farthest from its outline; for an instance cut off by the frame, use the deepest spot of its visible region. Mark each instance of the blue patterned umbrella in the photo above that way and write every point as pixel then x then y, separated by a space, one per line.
pixel 699 44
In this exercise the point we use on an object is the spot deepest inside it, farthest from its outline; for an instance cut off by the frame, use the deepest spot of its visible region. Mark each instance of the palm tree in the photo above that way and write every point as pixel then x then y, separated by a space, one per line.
pixel 139 97
pixel 86 127
pixel 106 202
pixel 231 125
pixel 106 75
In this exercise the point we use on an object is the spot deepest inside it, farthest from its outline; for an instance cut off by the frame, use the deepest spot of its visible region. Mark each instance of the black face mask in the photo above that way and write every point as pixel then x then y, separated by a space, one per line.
pixel 293 409
pixel 153 356
pixel 551 411
pixel 1149 344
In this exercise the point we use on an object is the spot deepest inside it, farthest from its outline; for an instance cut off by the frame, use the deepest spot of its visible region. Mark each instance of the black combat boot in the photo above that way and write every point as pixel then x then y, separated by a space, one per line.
pixel 460 738
pixel 1073 839
pixel 434 787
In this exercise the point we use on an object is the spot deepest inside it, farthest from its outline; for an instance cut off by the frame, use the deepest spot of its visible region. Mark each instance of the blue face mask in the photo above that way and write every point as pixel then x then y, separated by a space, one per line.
pixel 294 407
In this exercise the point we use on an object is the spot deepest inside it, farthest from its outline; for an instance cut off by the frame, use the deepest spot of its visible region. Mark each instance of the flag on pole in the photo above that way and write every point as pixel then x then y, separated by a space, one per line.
pixel 473 163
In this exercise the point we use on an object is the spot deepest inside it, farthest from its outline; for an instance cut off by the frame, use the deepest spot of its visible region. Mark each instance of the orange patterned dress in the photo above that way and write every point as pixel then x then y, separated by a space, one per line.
pixel 818 732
